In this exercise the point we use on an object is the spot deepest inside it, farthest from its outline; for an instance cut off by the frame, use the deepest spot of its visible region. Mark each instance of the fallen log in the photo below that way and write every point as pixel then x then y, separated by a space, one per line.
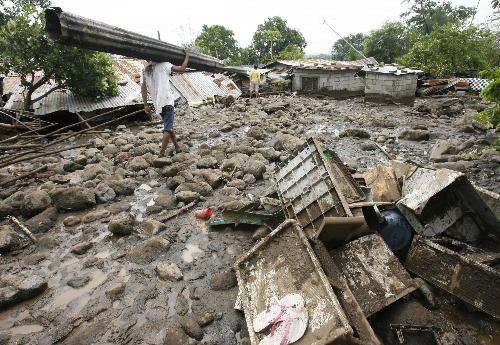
pixel 23 159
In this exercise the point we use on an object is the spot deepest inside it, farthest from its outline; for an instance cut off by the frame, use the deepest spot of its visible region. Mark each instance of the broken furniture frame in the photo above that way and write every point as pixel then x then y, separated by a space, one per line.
pixel 473 282
pixel 284 263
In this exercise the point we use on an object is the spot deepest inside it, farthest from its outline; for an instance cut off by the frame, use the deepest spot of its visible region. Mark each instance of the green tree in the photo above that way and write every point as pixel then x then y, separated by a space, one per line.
pixel 25 50
pixel 244 56
pixel 218 41
pixel 491 93
pixel 292 52
pixel 341 50
pixel 266 41
pixel 425 15
pixel 389 42
pixel 451 50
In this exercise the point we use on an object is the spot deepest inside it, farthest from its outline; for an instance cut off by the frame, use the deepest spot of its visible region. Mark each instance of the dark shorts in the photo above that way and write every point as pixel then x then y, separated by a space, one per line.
pixel 168 115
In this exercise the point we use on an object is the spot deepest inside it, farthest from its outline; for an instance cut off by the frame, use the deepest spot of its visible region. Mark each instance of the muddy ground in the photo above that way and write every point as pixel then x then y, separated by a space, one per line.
pixel 99 276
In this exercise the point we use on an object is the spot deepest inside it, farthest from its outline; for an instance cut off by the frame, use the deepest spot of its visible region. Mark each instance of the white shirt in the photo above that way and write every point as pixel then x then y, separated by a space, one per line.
pixel 158 83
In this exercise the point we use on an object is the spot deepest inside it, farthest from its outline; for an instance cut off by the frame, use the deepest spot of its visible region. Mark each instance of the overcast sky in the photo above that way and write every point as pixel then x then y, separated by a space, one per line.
pixel 180 21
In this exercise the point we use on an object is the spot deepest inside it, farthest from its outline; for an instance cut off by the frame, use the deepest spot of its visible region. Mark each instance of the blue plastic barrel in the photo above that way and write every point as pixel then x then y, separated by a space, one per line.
pixel 397 232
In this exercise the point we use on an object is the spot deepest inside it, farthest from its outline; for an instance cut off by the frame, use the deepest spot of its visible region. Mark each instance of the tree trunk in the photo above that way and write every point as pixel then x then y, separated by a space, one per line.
pixel 27 100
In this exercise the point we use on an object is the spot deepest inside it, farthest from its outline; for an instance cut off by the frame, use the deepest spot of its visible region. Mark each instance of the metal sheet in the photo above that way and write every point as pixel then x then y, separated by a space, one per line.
pixel 466 279
pixel 435 201
pixel 308 188
pixel 284 263
pixel 374 274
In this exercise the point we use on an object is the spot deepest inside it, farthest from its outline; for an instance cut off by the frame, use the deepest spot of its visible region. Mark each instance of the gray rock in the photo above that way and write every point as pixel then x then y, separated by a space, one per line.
pixel 12 205
pixel 230 191
pixel 168 271
pixel 35 202
pixel 257 133
pixel 192 328
pixel 176 336
pixel 97 215
pixel 110 150
pixel 175 181
pixel 356 133
pixel 99 143
pixel 122 225
pixel 269 153
pixel 72 221
pixel 73 198
pixel 205 319
pixel 17 292
pixel 224 280
pixel 211 176
pixel 78 282
pixel 104 193
pixel 237 183
pixel 199 187
pixel 81 248
pixel 167 201
pixel 9 239
pixel 274 107
pixel 148 251
pixel 44 221
pixel 162 162
pixel 115 291
pixel 287 142
pixel 207 163
pixel 249 179
pixel 415 135
pixel 90 172
pixel 138 163
pixel 187 196
pixel 254 167
pixel 123 186
pixel 442 148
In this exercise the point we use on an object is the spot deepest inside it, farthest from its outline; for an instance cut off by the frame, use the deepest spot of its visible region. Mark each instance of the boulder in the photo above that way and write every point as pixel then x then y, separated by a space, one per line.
pixel 211 176
pixel 199 187
pixel 207 162
pixel 168 271
pixel 149 250
pixel 104 193
pixel 97 215
pixel 44 221
pixel 187 196
pixel 91 171
pixel 287 142
pixel 174 182
pixel 444 147
pixel 115 291
pixel 122 224
pixel 356 133
pixel 81 248
pixel 271 108
pixel 415 135
pixel 12 205
pixel 9 239
pixel 224 280
pixel 35 202
pixel 73 198
pixel 166 201
pixel 110 150
pixel 162 162
pixel 78 282
pixel 138 163
pixel 72 221
pixel 254 167
pixel 257 133
pixel 192 328
pixel 14 292
pixel 269 153
pixel 123 186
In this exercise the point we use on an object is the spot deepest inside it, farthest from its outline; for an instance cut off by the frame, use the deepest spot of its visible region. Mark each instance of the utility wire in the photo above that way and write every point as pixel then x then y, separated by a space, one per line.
pixel 350 45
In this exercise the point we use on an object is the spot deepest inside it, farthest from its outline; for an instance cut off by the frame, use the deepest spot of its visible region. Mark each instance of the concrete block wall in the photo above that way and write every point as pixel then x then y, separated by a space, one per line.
pixel 335 82
pixel 381 87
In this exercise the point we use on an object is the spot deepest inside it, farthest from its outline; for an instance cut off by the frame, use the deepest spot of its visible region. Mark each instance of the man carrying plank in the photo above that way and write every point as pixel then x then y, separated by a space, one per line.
pixel 155 78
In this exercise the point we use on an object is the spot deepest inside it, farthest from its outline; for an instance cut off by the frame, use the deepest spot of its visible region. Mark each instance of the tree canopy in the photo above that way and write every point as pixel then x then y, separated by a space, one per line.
pixel 25 49
pixel 388 42
pixel 292 52
pixel 451 50
pixel 427 14
pixel 217 41
pixel 274 36
pixel 341 50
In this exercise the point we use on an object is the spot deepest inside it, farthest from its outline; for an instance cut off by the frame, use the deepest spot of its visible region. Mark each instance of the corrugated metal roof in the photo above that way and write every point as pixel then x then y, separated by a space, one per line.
pixel 317 64
pixel 128 94
pixel 361 62
pixel 392 69
pixel 197 86
pixel 194 87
